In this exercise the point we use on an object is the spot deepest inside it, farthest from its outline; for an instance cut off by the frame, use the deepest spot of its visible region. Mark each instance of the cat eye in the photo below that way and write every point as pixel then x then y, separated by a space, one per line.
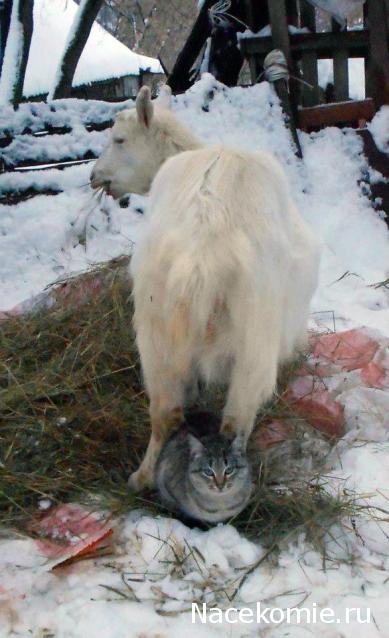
pixel 228 471
pixel 208 472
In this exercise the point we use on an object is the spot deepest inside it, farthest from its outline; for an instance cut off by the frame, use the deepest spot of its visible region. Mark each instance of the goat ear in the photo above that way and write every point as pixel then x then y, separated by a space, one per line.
pixel 165 96
pixel 144 106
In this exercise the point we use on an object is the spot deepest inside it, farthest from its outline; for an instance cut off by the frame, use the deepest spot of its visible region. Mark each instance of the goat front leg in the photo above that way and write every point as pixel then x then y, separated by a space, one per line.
pixel 164 420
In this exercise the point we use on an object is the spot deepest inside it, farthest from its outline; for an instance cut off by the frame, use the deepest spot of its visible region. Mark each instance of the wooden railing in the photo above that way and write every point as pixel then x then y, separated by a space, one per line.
pixel 304 50
pixel 41 137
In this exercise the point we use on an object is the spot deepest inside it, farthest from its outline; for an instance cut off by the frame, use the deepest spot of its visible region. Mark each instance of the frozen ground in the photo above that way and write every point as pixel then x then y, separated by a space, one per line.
pixel 38 243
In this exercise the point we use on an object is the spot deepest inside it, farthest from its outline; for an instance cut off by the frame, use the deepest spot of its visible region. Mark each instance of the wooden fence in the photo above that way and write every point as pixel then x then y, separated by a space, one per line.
pixel 304 50
pixel 42 137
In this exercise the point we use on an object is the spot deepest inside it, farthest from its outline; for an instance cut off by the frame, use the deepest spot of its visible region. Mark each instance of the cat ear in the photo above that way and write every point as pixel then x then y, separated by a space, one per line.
pixel 195 445
pixel 144 106
pixel 238 444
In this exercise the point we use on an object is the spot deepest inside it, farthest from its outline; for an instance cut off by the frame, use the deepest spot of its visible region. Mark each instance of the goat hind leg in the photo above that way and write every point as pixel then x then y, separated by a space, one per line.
pixel 166 415
pixel 166 389
pixel 253 381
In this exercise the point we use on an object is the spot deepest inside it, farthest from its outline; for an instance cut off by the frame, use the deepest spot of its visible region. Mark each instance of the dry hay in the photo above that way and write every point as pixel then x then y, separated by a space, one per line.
pixel 74 422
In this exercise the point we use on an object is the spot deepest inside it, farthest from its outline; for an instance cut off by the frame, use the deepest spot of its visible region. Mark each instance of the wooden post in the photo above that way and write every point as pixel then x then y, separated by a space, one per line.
pixel 341 81
pixel 310 96
pixel 80 30
pixel 179 80
pixel 5 19
pixel 280 37
pixel 378 61
pixel 255 67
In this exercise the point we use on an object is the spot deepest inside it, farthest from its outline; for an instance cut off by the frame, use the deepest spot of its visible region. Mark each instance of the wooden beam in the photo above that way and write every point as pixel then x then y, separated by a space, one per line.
pixel 308 15
pixel 323 43
pixel 341 82
pixel 310 96
pixel 279 27
pixel 378 161
pixel 378 63
pixel 337 113
pixel 179 80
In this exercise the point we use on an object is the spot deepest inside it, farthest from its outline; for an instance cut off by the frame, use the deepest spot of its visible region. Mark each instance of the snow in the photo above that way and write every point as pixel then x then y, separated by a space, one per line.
pixel 103 57
pixel 266 32
pixel 379 128
pixel 56 147
pixel 38 243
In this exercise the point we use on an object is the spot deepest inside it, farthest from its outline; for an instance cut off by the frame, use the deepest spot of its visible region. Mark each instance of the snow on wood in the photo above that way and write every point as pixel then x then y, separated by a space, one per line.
pixel 71 112
pixel 73 145
pixel 379 128
pixel 74 45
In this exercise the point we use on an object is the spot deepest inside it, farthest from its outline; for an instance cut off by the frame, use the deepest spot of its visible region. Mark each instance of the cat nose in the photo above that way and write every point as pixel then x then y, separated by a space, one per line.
pixel 220 482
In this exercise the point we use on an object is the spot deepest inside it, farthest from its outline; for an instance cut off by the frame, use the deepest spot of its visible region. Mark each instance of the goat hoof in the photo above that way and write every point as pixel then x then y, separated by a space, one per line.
pixel 139 481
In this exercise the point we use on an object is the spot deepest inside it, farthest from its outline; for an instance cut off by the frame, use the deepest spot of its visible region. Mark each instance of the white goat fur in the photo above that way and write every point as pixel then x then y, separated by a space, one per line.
pixel 223 279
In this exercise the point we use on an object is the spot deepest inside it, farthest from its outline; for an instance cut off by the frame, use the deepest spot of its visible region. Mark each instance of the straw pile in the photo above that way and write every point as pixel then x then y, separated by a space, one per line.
pixel 74 419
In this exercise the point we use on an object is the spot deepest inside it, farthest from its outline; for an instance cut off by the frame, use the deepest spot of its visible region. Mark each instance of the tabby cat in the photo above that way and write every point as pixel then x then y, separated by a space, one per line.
pixel 204 477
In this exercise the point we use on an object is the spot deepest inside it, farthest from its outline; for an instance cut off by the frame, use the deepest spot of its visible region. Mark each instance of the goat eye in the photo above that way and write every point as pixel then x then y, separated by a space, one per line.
pixel 208 471
pixel 119 140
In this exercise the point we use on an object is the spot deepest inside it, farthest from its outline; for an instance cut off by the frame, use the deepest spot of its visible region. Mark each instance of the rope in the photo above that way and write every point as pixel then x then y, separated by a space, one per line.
pixel 219 16
pixel 275 66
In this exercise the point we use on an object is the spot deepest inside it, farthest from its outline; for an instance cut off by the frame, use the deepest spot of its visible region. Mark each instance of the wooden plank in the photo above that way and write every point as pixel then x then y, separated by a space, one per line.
pixel 179 80
pixel 368 90
pixel 256 14
pixel 387 14
pixel 310 96
pixel 323 43
pixel 11 198
pixel 291 12
pixel 255 64
pixel 248 5
pixel 378 161
pixel 378 63
pixel 337 113
pixel 308 15
pixel 6 139
pixel 279 27
pixel 341 82
pixel 29 165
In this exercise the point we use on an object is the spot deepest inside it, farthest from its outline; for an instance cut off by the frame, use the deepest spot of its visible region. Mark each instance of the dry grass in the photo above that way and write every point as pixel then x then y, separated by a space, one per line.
pixel 73 415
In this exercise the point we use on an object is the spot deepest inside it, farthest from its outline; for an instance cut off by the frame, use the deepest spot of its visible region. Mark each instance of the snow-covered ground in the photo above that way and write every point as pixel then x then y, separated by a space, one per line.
pixel 38 243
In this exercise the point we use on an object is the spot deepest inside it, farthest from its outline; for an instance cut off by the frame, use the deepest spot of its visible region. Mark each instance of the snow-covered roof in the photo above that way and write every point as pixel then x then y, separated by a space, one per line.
pixel 104 57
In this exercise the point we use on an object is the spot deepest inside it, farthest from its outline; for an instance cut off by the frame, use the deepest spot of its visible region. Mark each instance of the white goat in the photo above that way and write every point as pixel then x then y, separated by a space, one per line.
pixel 223 275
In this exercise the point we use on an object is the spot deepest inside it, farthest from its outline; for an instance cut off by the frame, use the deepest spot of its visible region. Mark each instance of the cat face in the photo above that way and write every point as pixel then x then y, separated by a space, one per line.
pixel 218 465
